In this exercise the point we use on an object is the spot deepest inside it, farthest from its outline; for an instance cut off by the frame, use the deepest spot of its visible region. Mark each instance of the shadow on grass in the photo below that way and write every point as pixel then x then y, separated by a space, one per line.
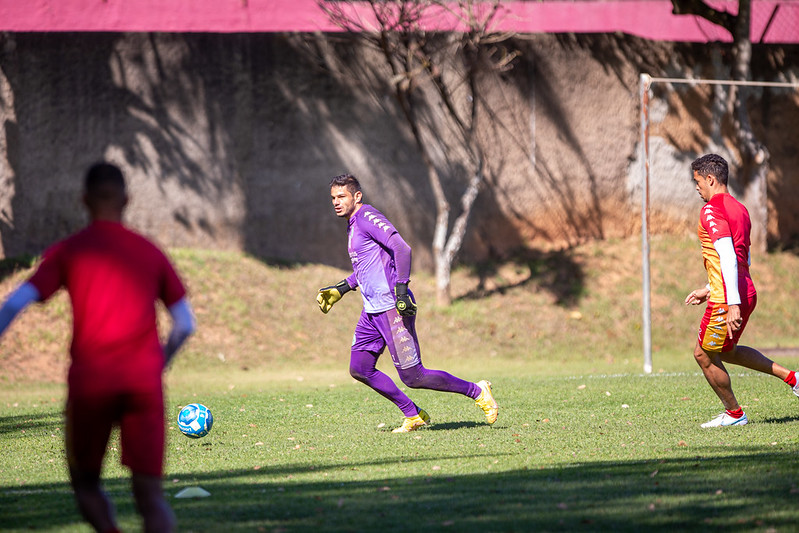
pixel 685 494
pixel 16 426
pixel 11 265
pixel 556 272
pixel 453 425
pixel 781 420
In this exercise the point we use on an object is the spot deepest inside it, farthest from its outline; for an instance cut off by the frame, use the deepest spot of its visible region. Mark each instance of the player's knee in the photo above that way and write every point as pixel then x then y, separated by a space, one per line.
pixel 413 378
pixel 702 358
pixel 358 374
pixel 84 481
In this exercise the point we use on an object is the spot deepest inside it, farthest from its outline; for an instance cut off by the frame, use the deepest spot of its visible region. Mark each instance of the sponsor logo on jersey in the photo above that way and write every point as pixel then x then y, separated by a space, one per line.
pixel 397 319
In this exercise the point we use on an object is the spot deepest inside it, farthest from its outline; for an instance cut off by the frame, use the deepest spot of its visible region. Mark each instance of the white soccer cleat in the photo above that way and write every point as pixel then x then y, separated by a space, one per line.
pixel 724 420
pixel 795 389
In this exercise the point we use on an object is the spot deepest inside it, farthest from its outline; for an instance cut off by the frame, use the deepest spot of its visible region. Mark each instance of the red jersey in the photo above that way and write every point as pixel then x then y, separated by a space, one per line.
pixel 724 216
pixel 114 277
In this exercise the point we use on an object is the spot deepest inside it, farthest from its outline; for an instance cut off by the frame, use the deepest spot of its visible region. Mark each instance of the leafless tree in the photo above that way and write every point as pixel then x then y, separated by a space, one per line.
pixel 754 155
pixel 438 80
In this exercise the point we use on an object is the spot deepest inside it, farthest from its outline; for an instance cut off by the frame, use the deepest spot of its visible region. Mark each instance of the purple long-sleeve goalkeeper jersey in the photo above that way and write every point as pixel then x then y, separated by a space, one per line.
pixel 380 258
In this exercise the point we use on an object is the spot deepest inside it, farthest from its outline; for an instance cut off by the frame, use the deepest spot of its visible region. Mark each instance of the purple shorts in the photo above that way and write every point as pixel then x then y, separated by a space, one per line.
pixel 376 331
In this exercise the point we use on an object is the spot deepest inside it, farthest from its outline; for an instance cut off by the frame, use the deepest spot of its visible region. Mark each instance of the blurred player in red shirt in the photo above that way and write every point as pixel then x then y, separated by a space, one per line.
pixel 724 227
pixel 113 277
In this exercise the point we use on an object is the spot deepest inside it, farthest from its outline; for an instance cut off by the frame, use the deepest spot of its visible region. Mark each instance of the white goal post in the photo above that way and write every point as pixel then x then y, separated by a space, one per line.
pixel 645 84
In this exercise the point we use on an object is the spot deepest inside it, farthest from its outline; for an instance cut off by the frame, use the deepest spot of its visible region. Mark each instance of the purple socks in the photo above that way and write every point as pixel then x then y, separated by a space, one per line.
pixel 362 368
pixel 419 377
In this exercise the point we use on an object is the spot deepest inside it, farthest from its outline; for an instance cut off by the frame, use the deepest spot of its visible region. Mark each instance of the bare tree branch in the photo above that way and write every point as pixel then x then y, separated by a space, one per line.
pixel 437 81
pixel 754 154
pixel 700 8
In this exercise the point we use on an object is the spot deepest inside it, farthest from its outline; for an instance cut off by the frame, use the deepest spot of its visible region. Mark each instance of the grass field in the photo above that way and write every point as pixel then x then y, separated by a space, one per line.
pixel 584 442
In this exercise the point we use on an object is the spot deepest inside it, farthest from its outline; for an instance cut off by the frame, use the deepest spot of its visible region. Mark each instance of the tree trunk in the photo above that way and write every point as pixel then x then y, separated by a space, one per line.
pixel 416 63
pixel 754 155
pixel 751 177
pixel 445 255
pixel 443 282
pixel 442 266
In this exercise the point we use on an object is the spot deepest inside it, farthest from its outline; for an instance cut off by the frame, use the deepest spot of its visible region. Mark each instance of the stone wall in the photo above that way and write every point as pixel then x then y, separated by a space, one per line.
pixel 229 141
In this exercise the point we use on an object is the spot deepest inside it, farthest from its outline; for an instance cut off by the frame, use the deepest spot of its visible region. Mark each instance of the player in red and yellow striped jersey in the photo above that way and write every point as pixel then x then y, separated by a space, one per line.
pixel 724 228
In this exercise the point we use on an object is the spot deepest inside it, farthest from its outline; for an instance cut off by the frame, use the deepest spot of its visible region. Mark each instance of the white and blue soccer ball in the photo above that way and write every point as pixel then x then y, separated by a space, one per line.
pixel 195 420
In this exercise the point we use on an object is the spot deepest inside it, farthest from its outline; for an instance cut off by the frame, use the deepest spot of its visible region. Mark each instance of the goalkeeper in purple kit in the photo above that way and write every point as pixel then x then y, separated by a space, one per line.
pixel 381 263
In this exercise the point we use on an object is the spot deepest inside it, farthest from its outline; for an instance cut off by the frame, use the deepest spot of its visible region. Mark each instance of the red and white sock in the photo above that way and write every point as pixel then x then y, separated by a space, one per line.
pixel 738 413
pixel 791 379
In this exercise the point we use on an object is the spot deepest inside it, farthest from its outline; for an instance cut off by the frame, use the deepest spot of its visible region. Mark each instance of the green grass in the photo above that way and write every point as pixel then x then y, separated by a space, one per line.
pixel 569 453
pixel 542 310
pixel 584 442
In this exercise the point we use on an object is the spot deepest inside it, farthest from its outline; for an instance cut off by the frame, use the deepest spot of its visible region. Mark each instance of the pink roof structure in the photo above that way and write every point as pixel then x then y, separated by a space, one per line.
pixel 773 21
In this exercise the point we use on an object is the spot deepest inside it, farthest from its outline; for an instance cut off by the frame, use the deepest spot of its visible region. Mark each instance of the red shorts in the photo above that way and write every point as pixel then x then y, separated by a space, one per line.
pixel 713 329
pixel 140 416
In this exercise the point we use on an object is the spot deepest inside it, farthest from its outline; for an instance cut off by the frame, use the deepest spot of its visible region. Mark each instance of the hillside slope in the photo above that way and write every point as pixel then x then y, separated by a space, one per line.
pixel 577 308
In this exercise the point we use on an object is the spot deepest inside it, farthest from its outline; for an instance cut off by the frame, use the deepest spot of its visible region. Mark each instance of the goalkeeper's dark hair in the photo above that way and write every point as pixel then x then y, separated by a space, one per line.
pixel 105 184
pixel 711 164
pixel 346 180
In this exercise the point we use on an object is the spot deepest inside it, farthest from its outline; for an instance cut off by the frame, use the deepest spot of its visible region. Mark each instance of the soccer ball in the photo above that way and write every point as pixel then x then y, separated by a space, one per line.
pixel 195 420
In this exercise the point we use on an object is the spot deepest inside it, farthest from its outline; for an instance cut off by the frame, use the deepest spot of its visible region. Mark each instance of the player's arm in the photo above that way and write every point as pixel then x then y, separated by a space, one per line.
pixel 327 296
pixel 729 273
pixel 401 252
pixel 729 269
pixel 183 325
pixel 16 302
pixel 698 296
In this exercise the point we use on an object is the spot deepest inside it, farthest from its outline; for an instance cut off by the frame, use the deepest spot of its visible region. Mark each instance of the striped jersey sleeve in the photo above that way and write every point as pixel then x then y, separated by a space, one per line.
pixel 724 216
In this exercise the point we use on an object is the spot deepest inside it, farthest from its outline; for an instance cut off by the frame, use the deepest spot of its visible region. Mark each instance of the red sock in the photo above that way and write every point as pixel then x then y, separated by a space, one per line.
pixel 791 379
pixel 738 413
